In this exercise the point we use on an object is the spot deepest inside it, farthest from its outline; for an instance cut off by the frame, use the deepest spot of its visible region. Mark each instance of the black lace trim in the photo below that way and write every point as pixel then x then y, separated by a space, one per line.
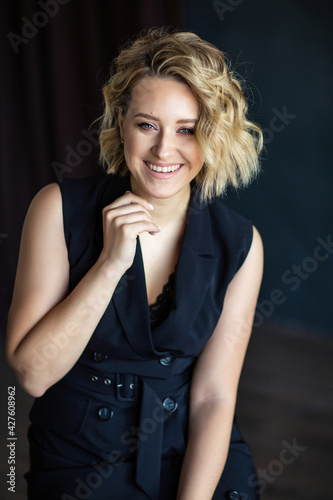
pixel 161 308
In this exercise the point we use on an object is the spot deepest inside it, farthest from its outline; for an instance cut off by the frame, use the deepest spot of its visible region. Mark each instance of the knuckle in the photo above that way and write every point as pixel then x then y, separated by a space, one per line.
pixel 107 213
pixel 106 209
pixel 116 222
pixel 128 195
pixel 126 230
pixel 143 213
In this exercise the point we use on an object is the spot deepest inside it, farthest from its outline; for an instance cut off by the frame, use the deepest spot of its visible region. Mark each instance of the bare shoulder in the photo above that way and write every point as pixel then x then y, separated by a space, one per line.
pixel 47 202
pixel 44 220
pixel 43 240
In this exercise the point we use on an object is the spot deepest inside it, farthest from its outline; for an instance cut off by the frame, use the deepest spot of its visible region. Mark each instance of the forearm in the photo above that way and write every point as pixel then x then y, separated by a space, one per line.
pixel 55 343
pixel 208 444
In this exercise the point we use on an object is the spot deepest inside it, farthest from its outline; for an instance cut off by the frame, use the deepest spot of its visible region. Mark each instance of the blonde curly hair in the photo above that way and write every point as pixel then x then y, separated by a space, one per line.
pixel 230 143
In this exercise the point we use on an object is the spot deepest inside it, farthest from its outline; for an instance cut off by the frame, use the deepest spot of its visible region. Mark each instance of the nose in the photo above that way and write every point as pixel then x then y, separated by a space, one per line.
pixel 164 145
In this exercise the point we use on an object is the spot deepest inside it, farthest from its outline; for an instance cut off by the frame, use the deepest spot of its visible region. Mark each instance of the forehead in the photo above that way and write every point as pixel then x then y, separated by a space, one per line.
pixel 155 95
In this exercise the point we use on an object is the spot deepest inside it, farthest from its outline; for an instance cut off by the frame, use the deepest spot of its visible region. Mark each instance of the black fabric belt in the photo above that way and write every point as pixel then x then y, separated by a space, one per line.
pixel 123 386
pixel 126 386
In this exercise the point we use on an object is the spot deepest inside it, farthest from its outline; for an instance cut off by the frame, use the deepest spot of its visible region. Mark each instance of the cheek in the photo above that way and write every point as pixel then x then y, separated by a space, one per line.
pixel 135 143
pixel 194 153
pixel 130 146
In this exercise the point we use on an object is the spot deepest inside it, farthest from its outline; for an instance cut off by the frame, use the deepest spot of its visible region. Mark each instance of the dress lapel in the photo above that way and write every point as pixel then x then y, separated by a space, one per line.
pixel 131 304
pixel 196 265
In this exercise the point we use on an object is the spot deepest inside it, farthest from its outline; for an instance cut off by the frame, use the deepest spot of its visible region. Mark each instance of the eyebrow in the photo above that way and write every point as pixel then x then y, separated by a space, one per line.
pixel 181 120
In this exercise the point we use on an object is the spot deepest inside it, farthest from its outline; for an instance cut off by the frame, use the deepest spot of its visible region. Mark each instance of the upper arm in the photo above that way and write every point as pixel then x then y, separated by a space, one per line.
pixel 42 275
pixel 219 366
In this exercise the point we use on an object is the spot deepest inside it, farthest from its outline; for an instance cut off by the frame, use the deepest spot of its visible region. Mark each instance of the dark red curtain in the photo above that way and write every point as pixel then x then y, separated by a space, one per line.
pixel 55 56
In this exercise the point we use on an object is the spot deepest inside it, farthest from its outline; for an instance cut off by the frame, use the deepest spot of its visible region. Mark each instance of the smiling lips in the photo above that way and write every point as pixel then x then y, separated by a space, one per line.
pixel 163 169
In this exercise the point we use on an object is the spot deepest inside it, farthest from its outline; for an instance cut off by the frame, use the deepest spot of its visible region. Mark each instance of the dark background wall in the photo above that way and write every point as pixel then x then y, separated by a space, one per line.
pixel 50 93
pixel 284 50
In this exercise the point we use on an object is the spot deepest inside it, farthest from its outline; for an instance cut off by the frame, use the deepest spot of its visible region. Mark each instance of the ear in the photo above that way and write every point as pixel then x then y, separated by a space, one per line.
pixel 121 123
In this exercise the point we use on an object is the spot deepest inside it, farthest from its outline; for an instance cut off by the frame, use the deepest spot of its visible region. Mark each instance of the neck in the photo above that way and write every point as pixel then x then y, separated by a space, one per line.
pixel 166 210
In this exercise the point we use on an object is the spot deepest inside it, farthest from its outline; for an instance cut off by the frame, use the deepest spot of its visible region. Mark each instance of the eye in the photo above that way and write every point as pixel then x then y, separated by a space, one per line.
pixel 187 131
pixel 145 126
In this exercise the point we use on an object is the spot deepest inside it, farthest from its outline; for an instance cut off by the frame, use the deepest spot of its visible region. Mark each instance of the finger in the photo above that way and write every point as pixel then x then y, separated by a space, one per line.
pixel 146 227
pixel 125 209
pixel 130 198
pixel 131 230
pixel 139 198
pixel 133 218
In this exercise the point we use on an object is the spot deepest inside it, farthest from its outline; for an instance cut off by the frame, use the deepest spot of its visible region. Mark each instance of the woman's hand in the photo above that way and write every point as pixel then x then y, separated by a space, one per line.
pixel 123 220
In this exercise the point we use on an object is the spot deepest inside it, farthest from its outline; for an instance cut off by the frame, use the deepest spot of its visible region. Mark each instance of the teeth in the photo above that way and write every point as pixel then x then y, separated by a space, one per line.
pixel 157 168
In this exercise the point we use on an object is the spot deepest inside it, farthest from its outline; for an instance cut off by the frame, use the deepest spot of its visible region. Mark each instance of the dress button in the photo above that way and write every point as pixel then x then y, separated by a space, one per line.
pixel 167 360
pixel 170 405
pixel 99 356
pixel 233 495
pixel 107 381
pixel 105 413
pixel 94 378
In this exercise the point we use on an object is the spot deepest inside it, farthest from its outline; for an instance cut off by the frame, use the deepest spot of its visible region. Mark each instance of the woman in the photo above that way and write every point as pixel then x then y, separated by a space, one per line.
pixel 134 297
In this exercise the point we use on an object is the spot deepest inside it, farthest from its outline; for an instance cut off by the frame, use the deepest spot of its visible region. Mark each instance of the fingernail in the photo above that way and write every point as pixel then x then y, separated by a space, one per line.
pixel 150 206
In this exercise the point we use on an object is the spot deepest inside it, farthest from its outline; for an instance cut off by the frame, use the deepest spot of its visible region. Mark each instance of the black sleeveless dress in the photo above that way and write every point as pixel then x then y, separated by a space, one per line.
pixel 115 426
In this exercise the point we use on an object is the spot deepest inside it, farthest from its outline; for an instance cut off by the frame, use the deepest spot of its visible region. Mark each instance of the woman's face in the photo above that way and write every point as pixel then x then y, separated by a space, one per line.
pixel 160 147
